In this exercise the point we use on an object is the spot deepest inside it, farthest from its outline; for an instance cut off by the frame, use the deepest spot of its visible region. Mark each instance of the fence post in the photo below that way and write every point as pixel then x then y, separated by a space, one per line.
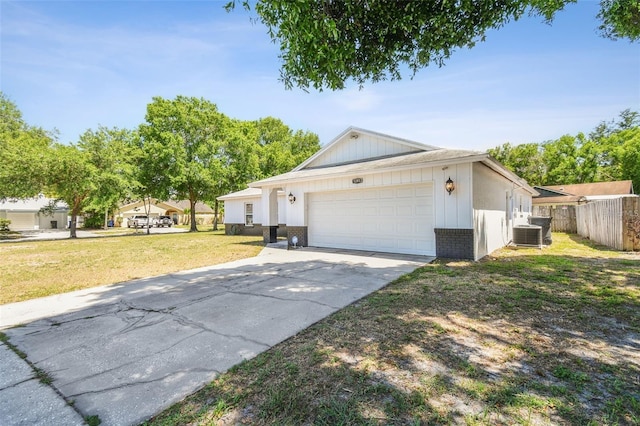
pixel 631 223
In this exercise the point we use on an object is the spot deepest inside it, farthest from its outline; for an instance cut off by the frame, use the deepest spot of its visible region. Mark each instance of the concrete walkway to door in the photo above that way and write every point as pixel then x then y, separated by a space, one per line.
pixel 125 352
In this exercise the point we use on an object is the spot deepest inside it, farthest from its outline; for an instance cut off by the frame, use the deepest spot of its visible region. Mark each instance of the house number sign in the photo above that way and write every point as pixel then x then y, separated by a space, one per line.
pixel 356 180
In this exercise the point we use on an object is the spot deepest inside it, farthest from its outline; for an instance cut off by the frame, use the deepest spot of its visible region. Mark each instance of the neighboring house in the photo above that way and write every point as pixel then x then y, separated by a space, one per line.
pixel 177 210
pixel 27 214
pixel 559 201
pixel 580 193
pixel 370 191
pixel 243 212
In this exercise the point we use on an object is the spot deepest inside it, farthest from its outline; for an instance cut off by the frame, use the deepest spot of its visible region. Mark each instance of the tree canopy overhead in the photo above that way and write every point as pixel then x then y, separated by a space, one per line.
pixel 24 153
pixel 325 43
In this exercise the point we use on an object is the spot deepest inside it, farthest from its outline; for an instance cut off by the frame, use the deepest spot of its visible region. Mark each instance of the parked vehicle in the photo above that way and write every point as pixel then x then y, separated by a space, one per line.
pixel 163 221
pixel 139 221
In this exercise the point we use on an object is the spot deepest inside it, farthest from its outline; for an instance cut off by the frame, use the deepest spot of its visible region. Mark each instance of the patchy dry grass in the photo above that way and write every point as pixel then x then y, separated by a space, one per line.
pixel 42 268
pixel 524 337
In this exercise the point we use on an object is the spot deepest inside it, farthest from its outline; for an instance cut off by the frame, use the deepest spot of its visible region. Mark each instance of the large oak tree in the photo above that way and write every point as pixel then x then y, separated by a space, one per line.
pixel 325 43
pixel 25 153
pixel 182 150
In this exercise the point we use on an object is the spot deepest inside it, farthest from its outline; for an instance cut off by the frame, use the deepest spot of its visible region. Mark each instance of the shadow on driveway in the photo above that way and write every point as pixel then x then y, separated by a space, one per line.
pixel 125 352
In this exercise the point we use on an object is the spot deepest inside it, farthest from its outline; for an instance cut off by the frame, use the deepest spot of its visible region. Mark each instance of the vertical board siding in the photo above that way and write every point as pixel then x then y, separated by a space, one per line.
pixel 357 149
pixel 607 222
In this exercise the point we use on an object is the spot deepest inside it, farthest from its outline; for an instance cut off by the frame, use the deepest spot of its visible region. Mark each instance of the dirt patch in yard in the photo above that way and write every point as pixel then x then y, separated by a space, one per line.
pixel 527 336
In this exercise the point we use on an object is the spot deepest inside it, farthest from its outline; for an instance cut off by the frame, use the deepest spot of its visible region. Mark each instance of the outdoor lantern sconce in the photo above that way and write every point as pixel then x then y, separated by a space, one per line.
pixel 448 186
pixel 292 199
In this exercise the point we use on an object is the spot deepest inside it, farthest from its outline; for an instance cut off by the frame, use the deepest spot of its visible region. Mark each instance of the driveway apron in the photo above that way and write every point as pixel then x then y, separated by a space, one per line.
pixel 125 352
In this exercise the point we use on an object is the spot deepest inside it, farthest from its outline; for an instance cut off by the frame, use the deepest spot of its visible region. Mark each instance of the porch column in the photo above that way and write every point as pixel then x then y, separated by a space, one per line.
pixel 270 215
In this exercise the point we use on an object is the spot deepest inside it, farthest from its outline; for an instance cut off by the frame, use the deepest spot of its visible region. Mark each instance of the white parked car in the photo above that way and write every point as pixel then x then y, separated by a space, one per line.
pixel 138 221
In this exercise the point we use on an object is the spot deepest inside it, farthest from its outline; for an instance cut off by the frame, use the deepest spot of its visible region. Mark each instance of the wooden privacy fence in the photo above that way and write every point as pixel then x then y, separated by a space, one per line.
pixel 563 218
pixel 614 223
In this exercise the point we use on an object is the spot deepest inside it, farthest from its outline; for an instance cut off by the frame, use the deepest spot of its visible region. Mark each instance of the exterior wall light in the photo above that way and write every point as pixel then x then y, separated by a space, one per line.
pixel 292 199
pixel 449 186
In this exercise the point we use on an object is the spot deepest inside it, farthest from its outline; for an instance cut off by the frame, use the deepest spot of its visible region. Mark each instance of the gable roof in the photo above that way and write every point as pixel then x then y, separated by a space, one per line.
pixel 246 193
pixel 34 204
pixel 395 146
pixel 582 192
pixel 186 204
pixel 436 157
pixel 622 187
pixel 179 205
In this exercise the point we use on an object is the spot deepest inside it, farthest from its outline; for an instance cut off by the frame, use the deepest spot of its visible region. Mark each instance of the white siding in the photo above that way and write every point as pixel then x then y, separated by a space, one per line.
pixel 22 221
pixel 60 217
pixel 496 209
pixel 234 210
pixel 365 146
pixel 450 211
pixel 454 210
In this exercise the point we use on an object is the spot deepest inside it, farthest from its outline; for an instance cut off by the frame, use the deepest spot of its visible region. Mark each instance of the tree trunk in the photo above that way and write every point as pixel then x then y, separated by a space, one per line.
pixel 215 216
pixel 193 228
pixel 72 228
pixel 147 210
pixel 106 218
pixel 74 221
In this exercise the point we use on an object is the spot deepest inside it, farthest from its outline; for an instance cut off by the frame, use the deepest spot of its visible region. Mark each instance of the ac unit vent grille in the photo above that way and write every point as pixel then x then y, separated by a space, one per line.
pixel 527 235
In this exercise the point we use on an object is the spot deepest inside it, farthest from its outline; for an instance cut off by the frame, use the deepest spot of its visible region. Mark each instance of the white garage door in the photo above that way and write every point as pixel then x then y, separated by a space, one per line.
pixel 396 219
pixel 22 221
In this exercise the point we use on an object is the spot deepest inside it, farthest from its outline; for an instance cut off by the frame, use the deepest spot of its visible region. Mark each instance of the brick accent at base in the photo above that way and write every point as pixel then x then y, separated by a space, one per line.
pixel 256 229
pixel 270 234
pixel 300 232
pixel 455 243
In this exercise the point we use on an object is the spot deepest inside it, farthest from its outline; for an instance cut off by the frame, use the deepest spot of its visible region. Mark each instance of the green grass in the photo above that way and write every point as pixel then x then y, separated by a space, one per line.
pixel 524 337
pixel 33 269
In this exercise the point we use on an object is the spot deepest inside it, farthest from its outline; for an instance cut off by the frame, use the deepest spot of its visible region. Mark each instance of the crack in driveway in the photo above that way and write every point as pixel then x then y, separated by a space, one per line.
pixel 132 349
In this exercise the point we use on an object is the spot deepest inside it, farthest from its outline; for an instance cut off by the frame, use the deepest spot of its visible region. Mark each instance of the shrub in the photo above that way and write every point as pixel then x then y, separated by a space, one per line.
pixel 4 224
pixel 93 220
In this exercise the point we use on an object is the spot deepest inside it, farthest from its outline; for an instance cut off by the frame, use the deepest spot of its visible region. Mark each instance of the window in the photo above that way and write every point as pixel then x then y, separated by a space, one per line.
pixel 248 214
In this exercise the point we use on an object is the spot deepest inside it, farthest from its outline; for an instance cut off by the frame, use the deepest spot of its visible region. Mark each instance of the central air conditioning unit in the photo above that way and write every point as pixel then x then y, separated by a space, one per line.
pixel 527 235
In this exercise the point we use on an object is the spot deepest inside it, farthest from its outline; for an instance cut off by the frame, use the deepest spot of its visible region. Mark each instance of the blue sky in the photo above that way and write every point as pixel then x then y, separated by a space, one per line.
pixel 76 65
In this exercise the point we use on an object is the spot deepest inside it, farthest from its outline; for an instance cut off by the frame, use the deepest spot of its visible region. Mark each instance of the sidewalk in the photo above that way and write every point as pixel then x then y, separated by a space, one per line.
pixel 61 234
pixel 20 388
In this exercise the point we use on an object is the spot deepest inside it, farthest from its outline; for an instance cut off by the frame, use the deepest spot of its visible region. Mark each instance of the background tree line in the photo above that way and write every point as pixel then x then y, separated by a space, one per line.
pixel 186 149
pixel 610 152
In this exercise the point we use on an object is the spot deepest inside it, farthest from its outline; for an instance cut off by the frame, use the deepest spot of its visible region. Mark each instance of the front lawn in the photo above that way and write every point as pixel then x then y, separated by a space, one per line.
pixel 42 268
pixel 524 337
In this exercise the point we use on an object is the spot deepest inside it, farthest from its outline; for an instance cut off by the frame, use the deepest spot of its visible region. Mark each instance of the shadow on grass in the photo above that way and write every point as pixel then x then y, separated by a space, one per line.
pixel 532 339
pixel 578 239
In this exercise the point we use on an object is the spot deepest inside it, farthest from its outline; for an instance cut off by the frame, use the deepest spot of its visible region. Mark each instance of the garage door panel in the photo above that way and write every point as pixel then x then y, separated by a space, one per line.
pixel 369 195
pixel 385 193
pixel 405 211
pixel 393 219
pixel 386 210
pixel 405 228
pixel 22 221
pixel 423 228
pixel 424 191
pixel 407 244
pixel 405 193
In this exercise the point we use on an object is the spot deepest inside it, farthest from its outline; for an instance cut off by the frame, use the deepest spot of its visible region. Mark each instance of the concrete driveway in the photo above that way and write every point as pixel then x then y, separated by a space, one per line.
pixel 125 352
